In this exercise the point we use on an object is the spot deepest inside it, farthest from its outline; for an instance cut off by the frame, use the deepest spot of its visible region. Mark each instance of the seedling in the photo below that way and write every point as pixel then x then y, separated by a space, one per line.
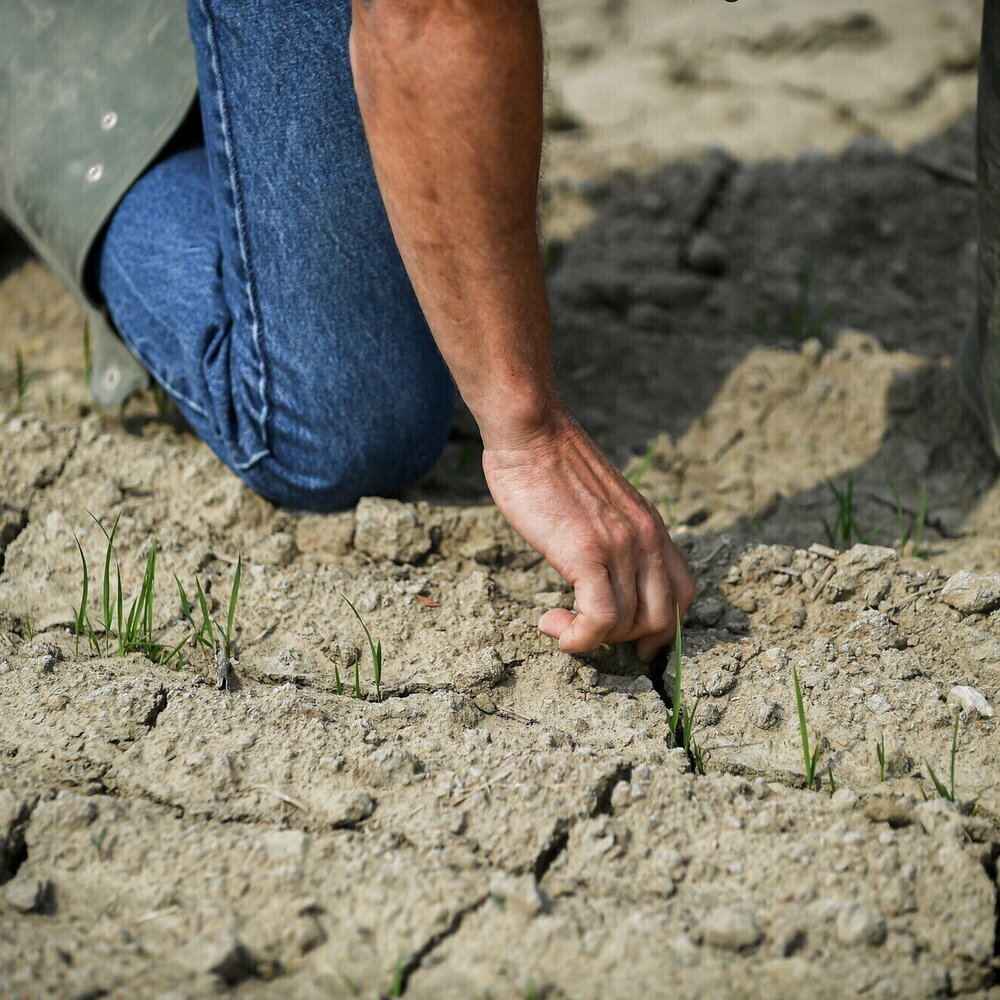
pixel 675 715
pixel 88 362
pixel 802 326
pixel 681 717
pixel 949 791
pixel 845 530
pixel 398 978
pixel 21 380
pixel 134 631
pixel 880 754
pixel 810 758
pixel 29 627
pixel 833 781
pixel 376 654
pixel 638 474
pixel 911 526
pixel 234 594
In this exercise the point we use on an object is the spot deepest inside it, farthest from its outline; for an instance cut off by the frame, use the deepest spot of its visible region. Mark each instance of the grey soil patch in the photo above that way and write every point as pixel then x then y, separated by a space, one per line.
pixel 510 821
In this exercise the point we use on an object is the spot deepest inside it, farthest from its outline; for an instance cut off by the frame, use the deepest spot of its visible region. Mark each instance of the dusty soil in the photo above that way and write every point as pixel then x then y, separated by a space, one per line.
pixel 740 329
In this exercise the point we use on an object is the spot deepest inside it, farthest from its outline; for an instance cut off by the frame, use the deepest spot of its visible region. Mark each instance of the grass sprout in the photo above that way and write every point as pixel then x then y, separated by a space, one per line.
pixel 947 792
pixel 811 758
pixel 638 474
pixel 911 526
pixel 681 723
pixel 880 755
pixel 21 380
pixel 375 648
pixel 88 357
pixel 804 325
pixel 845 530
pixel 134 631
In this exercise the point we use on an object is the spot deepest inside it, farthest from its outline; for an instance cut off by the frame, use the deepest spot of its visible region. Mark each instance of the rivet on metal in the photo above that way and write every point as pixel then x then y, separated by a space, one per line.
pixel 109 120
pixel 95 173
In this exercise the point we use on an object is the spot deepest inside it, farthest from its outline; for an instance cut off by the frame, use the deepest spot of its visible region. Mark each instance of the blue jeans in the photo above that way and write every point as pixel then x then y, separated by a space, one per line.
pixel 254 272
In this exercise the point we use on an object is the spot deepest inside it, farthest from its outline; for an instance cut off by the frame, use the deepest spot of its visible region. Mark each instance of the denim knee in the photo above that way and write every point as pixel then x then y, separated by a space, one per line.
pixel 330 465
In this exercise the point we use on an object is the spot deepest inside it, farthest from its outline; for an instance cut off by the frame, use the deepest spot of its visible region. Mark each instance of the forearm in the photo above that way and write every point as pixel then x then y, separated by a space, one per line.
pixel 451 96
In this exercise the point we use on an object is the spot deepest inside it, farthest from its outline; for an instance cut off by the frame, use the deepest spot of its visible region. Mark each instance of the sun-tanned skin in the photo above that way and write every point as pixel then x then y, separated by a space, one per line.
pixel 451 96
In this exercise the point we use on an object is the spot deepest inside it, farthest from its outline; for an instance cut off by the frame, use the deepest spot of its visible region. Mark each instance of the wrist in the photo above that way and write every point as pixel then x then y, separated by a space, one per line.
pixel 519 416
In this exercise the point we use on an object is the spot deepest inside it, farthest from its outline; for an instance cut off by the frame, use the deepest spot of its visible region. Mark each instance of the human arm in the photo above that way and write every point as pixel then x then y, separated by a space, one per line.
pixel 451 97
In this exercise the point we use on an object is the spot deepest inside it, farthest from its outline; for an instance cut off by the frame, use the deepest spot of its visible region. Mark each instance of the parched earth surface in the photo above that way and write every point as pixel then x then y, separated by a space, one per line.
pixel 749 333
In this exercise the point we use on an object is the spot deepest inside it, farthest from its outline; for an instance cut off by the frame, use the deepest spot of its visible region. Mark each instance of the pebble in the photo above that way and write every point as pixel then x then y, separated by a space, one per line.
pixel 858 924
pixel 26 895
pixel 729 928
pixel 970 593
pixel 708 255
pixel 389 529
pixel 972 702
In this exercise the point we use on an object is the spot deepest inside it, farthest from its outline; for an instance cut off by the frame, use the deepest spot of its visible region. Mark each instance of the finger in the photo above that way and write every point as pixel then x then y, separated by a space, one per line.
pixel 681 582
pixel 656 617
pixel 597 612
pixel 555 622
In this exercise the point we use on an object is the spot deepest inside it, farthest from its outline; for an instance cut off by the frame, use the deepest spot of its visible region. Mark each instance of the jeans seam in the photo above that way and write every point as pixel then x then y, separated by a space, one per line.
pixel 239 214
pixel 166 382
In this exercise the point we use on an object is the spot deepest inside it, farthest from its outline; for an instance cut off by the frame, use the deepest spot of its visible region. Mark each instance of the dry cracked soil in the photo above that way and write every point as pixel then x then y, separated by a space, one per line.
pixel 749 329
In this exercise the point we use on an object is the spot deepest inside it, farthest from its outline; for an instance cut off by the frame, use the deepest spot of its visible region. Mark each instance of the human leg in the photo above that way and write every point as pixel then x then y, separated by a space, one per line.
pixel 980 360
pixel 268 296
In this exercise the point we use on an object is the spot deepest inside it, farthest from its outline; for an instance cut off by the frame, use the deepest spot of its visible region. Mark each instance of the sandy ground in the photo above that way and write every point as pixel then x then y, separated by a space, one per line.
pixel 762 250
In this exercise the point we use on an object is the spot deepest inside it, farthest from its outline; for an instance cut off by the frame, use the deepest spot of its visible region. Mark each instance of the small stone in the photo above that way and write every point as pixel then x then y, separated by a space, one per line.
pixel 349 808
pixel 858 924
pixel 390 529
pixel 971 593
pixel 708 255
pixel 278 549
pixel 519 893
pixel 42 655
pixel 764 713
pixel 844 800
pixel 707 611
pixel 26 895
pixel 720 682
pixel 972 702
pixel 812 350
pixel 729 928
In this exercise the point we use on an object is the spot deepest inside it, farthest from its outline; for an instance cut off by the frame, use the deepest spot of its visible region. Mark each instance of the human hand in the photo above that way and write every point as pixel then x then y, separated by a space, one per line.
pixel 560 493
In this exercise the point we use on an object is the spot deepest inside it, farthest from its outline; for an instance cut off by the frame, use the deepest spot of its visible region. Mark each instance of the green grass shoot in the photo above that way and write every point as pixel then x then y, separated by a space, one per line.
pixel 638 474
pixel 911 526
pixel 947 792
pixel 810 758
pixel 375 648
pixel 234 595
pixel 832 779
pixel 134 631
pixel 398 977
pixel 676 708
pixel 845 530
pixel 88 358
pixel 21 380
pixel 880 755
pixel 803 324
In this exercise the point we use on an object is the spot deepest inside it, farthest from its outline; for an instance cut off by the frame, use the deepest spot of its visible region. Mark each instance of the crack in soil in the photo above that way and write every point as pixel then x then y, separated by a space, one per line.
pixel 417 958
pixel 159 704
pixel 711 200
pixel 14 847
pixel 559 837
pixel 11 530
